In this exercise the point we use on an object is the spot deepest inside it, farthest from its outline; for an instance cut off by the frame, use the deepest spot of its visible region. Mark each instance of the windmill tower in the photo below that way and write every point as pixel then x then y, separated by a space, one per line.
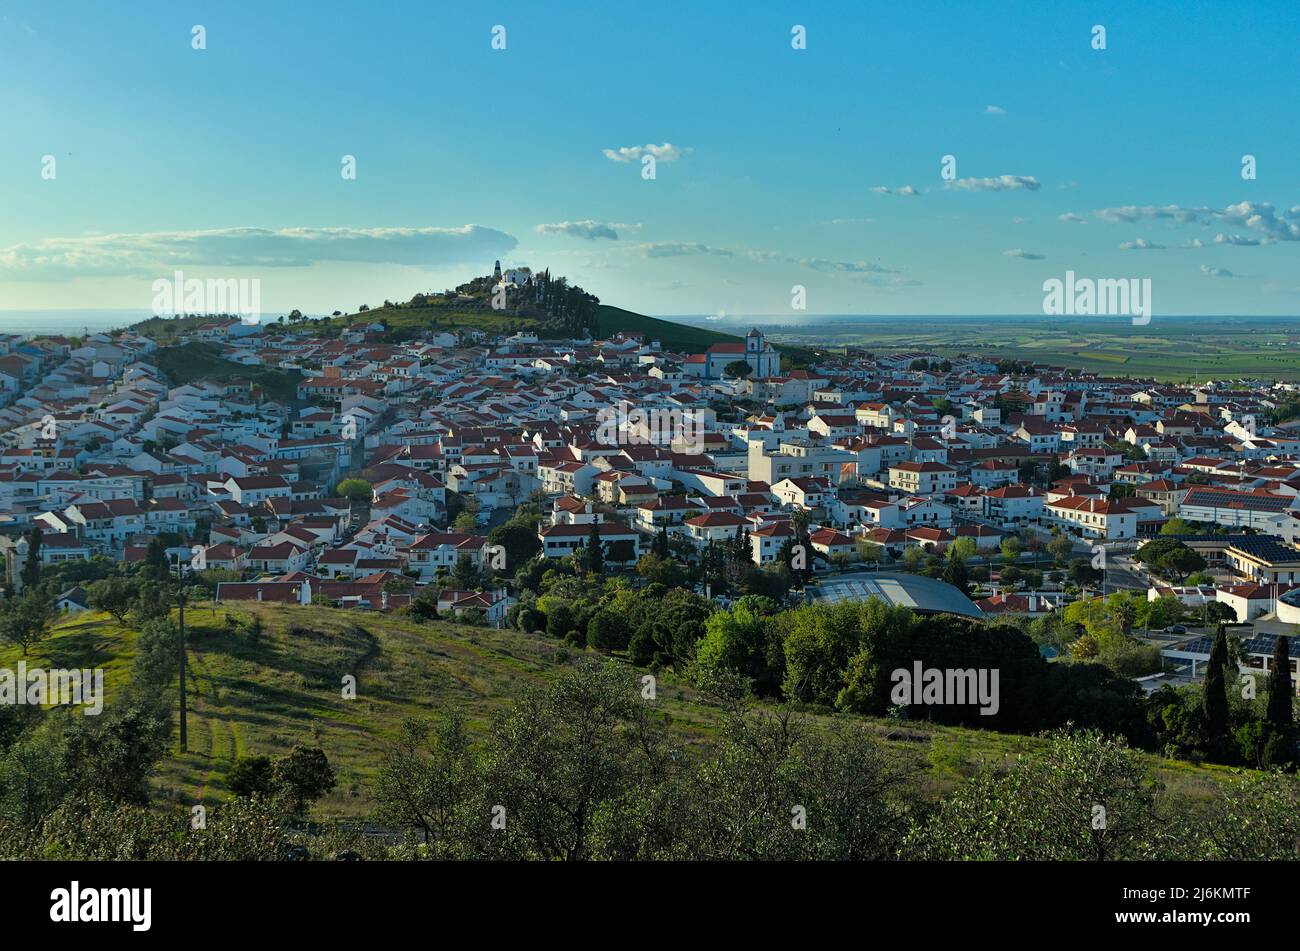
pixel 497 272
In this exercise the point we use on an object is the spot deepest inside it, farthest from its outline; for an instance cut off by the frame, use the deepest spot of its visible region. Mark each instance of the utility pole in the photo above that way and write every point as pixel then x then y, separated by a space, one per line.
pixel 180 601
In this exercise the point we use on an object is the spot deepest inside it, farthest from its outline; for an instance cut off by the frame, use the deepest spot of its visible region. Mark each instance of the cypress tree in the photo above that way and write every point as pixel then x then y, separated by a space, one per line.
pixel 661 542
pixel 595 552
pixel 1280 689
pixel 1214 701
pixel 955 573
pixel 31 570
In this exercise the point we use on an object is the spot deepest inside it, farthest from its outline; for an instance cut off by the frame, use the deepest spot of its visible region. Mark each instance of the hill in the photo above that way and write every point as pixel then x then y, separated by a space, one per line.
pixel 203 361
pixel 673 336
pixel 264 677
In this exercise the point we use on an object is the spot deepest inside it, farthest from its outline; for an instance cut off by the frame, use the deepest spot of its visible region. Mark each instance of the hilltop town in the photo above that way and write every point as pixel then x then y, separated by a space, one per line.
pixel 976 489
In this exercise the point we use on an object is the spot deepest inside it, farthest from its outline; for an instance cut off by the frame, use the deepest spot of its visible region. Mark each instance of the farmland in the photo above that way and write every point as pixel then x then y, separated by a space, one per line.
pixel 1176 349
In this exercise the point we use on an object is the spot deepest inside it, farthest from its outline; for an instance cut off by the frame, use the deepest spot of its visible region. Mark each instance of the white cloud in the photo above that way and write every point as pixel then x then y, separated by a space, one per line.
pixel 1141 244
pixel 1002 183
pixel 994 111
pixel 1209 271
pixel 1071 218
pixel 821 264
pixel 906 191
pixel 633 153
pixel 666 249
pixel 677 249
pixel 588 230
pixel 154 253
pixel 1236 239
pixel 1259 217
pixel 1022 253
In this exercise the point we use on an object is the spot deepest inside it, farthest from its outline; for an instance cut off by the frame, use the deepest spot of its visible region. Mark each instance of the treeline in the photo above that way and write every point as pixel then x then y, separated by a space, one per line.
pixel 565 305
pixel 586 768
pixel 846 657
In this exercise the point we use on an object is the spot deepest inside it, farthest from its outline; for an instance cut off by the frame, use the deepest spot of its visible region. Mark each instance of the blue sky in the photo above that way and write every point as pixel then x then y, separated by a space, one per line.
pixel 780 167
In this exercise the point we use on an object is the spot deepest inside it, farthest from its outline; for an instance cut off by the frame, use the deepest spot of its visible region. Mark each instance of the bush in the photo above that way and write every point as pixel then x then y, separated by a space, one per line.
pixel 251 776
pixel 605 631
pixel 559 622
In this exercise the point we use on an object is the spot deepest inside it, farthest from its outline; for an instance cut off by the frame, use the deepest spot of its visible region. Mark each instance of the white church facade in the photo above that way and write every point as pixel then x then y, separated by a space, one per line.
pixel 763 360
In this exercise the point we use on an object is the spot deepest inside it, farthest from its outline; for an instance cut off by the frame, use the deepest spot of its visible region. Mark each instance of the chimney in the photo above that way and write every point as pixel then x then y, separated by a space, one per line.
pixel 259 594
pixel 1033 602
pixel 383 601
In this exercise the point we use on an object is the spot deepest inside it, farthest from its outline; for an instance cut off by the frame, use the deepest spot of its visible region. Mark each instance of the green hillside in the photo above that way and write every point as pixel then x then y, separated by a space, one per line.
pixel 203 361
pixel 261 691
pixel 673 336
pixel 683 337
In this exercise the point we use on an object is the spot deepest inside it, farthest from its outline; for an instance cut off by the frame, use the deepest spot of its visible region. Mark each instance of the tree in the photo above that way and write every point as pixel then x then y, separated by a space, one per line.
pixel 661 570
pixel 1176 526
pixel 251 776
pixel 466 575
pixel 1216 611
pixel 355 490
pixel 154 601
pixel 1086 797
pixel 956 574
pixel 31 570
pixel 518 538
pixel 466 523
pixel 606 631
pixel 740 641
pixel 155 560
pixel 1170 557
pixel 1278 713
pixel 661 543
pixel 26 621
pixel 1214 700
pixel 1256 818
pixel 595 551
pixel 563 757
pixel 427 780
pixel 1060 548
pixel 114 596
pixel 1124 612
pixel 870 553
pixel 305 774
pixel 962 548
pixel 559 620
pixel 1082 572
pixel 1010 549
pixel 737 370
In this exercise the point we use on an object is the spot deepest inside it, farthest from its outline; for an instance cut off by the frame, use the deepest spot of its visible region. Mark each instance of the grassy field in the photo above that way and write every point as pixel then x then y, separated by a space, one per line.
pixel 264 694
pixel 202 361
pixel 1173 350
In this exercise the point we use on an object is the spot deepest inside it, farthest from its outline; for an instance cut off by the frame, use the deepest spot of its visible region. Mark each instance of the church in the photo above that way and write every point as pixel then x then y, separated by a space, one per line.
pixel 763 360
